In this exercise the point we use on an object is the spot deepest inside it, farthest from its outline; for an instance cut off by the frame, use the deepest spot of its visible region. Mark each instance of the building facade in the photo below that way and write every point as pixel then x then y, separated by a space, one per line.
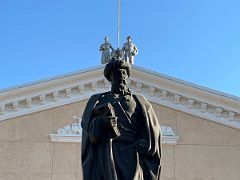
pixel 40 136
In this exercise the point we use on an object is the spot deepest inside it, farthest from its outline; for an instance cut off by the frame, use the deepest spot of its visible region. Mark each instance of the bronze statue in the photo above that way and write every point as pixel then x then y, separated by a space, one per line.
pixel 121 134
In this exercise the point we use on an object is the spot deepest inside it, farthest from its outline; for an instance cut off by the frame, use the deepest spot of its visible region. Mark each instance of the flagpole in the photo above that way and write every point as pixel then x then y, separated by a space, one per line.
pixel 118 25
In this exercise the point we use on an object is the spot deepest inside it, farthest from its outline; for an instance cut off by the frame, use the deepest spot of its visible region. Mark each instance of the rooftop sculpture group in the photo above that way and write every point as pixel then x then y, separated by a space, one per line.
pixel 127 53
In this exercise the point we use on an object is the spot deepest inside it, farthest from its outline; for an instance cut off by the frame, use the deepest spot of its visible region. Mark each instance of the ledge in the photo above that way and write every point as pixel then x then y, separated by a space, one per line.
pixel 66 138
pixel 171 140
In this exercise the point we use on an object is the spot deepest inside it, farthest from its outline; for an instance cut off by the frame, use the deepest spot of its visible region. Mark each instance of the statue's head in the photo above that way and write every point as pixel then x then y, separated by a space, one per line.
pixel 129 39
pixel 117 55
pixel 106 39
pixel 114 67
pixel 117 72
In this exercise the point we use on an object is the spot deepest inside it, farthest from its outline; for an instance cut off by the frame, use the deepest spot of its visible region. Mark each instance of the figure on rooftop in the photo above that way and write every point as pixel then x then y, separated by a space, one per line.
pixel 130 50
pixel 105 48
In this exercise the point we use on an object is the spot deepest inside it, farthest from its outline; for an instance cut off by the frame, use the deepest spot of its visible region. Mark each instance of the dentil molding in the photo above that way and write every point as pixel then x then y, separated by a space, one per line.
pixel 157 88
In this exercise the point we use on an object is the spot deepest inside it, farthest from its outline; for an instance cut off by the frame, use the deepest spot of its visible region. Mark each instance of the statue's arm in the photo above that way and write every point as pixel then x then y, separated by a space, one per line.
pixel 124 47
pixel 101 48
pixel 111 47
pixel 152 134
pixel 99 122
pixel 96 130
pixel 135 50
pixel 101 127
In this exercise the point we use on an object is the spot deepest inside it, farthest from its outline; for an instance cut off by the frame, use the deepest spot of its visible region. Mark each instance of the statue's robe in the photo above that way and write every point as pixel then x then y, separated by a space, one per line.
pixel 106 55
pixel 114 157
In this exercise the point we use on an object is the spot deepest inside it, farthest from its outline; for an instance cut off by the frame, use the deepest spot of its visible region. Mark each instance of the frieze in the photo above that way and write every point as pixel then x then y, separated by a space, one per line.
pixel 51 96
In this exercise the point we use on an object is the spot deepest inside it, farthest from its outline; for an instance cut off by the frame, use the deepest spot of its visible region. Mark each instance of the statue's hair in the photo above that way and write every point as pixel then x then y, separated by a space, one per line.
pixel 116 64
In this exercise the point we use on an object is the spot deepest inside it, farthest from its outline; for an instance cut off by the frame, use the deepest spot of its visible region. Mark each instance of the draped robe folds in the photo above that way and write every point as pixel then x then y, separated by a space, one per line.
pixel 100 161
pixel 106 55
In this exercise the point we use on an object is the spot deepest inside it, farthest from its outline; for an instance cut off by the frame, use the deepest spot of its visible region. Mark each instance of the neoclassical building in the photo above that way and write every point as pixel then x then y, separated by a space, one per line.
pixel 40 136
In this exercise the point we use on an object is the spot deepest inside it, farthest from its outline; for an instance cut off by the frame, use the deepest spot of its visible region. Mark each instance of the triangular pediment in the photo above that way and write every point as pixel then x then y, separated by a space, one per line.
pixel 157 88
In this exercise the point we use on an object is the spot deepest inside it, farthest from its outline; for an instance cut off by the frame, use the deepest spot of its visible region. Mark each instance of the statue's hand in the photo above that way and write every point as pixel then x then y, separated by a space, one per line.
pixel 110 121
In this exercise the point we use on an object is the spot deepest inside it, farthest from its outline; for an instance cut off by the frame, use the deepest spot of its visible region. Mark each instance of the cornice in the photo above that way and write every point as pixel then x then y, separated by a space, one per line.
pixel 160 89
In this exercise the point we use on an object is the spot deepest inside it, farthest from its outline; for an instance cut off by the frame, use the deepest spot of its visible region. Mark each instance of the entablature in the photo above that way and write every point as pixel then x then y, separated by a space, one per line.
pixel 160 89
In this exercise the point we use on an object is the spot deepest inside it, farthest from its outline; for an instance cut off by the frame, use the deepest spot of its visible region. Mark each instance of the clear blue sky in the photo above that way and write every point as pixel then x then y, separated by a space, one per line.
pixel 193 40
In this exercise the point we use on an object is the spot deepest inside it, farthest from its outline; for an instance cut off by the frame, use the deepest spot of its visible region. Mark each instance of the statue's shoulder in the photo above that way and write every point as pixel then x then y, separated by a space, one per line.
pixel 99 96
pixel 93 99
pixel 125 44
pixel 141 97
pixel 96 96
pixel 143 100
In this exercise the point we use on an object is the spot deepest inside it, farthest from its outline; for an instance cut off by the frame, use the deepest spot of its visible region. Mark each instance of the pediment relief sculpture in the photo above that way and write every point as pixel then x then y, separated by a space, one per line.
pixel 71 130
pixel 73 133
